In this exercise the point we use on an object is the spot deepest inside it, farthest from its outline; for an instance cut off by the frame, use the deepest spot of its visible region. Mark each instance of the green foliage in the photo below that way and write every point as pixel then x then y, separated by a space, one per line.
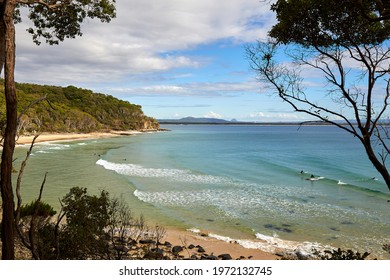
pixel 72 109
pixel 44 209
pixel 343 255
pixel 55 22
pixel 83 236
pixel 325 23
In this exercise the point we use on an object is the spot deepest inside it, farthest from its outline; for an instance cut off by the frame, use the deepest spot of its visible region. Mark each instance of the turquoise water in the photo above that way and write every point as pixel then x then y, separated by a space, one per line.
pixel 237 182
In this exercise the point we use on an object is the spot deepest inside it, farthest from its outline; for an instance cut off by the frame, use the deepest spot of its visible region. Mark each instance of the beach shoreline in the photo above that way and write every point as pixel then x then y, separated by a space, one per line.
pixel 56 137
pixel 215 246
pixel 176 236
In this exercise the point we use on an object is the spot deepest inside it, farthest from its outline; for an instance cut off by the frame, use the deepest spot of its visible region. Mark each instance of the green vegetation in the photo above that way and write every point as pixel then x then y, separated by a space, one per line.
pixel 83 235
pixel 72 109
pixel 98 227
pixel 44 209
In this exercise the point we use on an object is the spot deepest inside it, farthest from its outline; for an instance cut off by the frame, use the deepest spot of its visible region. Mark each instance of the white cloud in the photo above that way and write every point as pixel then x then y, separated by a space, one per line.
pixel 277 116
pixel 143 38
pixel 212 114
pixel 216 89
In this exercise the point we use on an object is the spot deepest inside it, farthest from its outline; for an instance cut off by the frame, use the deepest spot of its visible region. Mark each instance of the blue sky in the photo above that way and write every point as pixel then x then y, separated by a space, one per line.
pixel 175 58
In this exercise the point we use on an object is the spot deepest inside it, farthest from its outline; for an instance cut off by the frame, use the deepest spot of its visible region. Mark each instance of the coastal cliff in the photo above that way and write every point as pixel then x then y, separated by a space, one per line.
pixel 74 110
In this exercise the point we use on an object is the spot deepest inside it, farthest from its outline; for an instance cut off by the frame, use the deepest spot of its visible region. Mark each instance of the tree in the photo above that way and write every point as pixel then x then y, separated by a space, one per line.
pixel 83 235
pixel 350 50
pixel 382 8
pixel 53 21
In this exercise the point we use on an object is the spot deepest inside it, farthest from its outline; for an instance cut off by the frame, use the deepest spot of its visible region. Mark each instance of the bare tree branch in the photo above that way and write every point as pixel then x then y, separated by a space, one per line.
pixel 332 63
pixel 52 5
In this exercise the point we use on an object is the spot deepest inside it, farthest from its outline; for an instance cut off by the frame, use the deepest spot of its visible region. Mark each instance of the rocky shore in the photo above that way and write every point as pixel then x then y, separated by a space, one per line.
pixel 183 249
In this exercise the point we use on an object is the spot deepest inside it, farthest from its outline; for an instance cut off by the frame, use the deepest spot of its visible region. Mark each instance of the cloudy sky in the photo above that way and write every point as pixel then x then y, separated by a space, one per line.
pixel 175 58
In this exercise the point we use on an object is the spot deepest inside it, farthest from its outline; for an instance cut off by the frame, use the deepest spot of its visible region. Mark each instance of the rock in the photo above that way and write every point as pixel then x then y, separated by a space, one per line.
pixel 122 248
pixel 147 241
pixel 156 255
pixel 301 255
pixel 209 257
pixel 192 246
pixel 225 257
pixel 157 250
pixel 177 249
pixel 132 243
pixel 280 254
pixel 200 249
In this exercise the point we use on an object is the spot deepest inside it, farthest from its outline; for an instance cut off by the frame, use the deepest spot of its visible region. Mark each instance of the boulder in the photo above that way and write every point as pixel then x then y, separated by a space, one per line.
pixel 200 249
pixel 177 249
pixel 225 257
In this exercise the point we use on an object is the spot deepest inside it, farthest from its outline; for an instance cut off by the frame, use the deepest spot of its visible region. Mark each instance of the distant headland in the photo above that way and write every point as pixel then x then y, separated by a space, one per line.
pixel 215 121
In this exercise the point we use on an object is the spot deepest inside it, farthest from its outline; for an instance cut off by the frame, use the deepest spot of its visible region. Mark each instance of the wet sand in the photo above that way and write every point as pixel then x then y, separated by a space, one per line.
pixel 214 246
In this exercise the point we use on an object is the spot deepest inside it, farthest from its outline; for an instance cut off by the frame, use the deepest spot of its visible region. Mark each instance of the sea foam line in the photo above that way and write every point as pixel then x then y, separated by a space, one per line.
pixel 237 199
pixel 273 244
pixel 172 174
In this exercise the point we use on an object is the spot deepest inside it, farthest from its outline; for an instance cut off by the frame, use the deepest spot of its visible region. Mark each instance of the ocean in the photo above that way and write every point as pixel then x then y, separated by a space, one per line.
pixel 249 184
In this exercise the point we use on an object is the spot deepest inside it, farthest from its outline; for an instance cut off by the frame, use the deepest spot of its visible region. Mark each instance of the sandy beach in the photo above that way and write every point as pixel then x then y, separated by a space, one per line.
pixel 53 137
pixel 215 247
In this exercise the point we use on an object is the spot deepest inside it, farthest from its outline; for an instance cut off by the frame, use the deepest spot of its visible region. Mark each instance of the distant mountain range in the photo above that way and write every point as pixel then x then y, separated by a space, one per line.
pixel 193 120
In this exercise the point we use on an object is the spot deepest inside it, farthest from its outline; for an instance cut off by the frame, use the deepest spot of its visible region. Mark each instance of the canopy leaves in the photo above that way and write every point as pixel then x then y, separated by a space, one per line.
pixel 54 21
pixel 324 23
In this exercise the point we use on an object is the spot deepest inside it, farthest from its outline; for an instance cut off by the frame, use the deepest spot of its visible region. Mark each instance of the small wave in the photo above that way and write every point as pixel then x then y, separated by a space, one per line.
pixel 140 171
pixel 42 152
pixel 49 148
pixel 273 244
pixel 180 175
pixel 242 203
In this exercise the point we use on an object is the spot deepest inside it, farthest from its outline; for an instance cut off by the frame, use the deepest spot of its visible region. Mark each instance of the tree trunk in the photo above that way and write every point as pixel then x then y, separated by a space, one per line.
pixel 2 37
pixel 8 227
pixel 380 167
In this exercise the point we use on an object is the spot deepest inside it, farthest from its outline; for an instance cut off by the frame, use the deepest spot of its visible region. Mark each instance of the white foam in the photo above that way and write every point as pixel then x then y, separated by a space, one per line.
pixel 240 202
pixel 194 230
pixel 48 148
pixel 273 244
pixel 181 175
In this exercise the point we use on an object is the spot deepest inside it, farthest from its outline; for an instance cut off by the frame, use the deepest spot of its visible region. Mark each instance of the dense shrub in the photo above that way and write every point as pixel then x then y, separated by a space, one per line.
pixel 44 209
pixel 83 235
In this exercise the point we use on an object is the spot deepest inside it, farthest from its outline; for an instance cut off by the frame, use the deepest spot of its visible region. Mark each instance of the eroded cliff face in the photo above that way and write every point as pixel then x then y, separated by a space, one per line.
pixel 150 124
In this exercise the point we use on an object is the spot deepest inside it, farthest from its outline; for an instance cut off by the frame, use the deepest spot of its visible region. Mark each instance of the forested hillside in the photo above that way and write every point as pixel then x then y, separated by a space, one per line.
pixel 71 109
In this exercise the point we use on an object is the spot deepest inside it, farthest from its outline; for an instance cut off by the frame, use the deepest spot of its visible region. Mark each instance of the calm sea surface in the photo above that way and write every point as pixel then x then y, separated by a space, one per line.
pixel 247 183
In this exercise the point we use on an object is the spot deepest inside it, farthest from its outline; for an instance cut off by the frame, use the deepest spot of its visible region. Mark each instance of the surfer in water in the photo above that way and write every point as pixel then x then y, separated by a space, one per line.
pixel 313 178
